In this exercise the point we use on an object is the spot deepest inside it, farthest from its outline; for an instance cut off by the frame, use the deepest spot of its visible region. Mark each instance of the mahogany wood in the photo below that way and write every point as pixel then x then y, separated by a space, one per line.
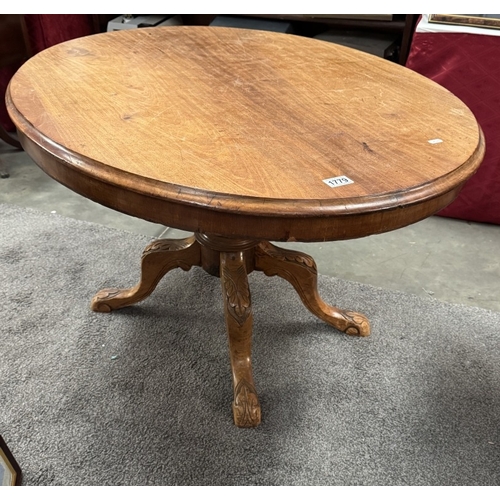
pixel 158 259
pixel 230 134
pixel 237 258
pixel 300 270
pixel 239 319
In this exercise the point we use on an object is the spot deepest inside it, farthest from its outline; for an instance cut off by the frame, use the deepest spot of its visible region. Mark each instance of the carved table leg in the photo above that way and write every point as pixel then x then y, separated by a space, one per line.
pixel 158 258
pixel 239 319
pixel 300 270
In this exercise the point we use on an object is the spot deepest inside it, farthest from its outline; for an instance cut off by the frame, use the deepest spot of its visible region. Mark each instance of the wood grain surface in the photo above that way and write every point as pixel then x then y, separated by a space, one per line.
pixel 233 132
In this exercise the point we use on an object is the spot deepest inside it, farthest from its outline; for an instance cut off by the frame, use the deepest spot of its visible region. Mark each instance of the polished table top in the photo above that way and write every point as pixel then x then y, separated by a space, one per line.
pixel 236 132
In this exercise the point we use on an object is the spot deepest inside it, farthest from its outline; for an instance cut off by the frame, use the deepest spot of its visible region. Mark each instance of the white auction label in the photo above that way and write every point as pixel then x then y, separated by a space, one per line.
pixel 341 180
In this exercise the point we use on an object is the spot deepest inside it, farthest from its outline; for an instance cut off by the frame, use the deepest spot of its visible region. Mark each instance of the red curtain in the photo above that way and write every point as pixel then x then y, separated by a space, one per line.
pixel 467 65
pixel 43 31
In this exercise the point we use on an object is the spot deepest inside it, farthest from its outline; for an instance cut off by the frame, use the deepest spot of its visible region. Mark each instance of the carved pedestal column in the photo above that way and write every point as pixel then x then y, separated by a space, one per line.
pixel 238 312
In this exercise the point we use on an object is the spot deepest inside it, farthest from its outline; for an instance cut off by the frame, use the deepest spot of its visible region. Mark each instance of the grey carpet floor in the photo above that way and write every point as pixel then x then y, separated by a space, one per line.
pixel 142 396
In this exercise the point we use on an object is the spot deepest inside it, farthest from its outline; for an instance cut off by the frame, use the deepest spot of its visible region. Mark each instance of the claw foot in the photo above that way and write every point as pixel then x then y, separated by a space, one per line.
pixel 104 300
pixel 357 324
pixel 246 407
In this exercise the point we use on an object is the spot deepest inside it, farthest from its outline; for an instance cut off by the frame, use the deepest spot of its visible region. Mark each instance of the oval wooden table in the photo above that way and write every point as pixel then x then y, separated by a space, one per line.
pixel 243 137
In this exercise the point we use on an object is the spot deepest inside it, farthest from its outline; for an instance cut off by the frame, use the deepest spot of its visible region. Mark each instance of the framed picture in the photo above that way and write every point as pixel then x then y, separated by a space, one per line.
pixel 490 21
pixel 10 472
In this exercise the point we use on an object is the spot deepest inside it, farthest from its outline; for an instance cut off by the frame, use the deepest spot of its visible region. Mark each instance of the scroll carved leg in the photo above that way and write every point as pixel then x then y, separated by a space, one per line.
pixel 239 319
pixel 158 258
pixel 300 270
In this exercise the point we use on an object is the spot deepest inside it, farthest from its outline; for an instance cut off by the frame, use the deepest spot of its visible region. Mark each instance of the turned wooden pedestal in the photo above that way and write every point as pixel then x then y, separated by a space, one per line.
pixel 232 260
pixel 243 137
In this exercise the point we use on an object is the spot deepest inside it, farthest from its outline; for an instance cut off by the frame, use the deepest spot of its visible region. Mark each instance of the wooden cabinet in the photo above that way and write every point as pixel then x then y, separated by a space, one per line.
pixel 398 28
pixel 401 26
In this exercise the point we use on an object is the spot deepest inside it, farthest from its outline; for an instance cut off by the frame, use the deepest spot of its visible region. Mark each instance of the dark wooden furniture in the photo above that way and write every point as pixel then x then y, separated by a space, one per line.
pixel 13 50
pixel 401 26
pixel 243 137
